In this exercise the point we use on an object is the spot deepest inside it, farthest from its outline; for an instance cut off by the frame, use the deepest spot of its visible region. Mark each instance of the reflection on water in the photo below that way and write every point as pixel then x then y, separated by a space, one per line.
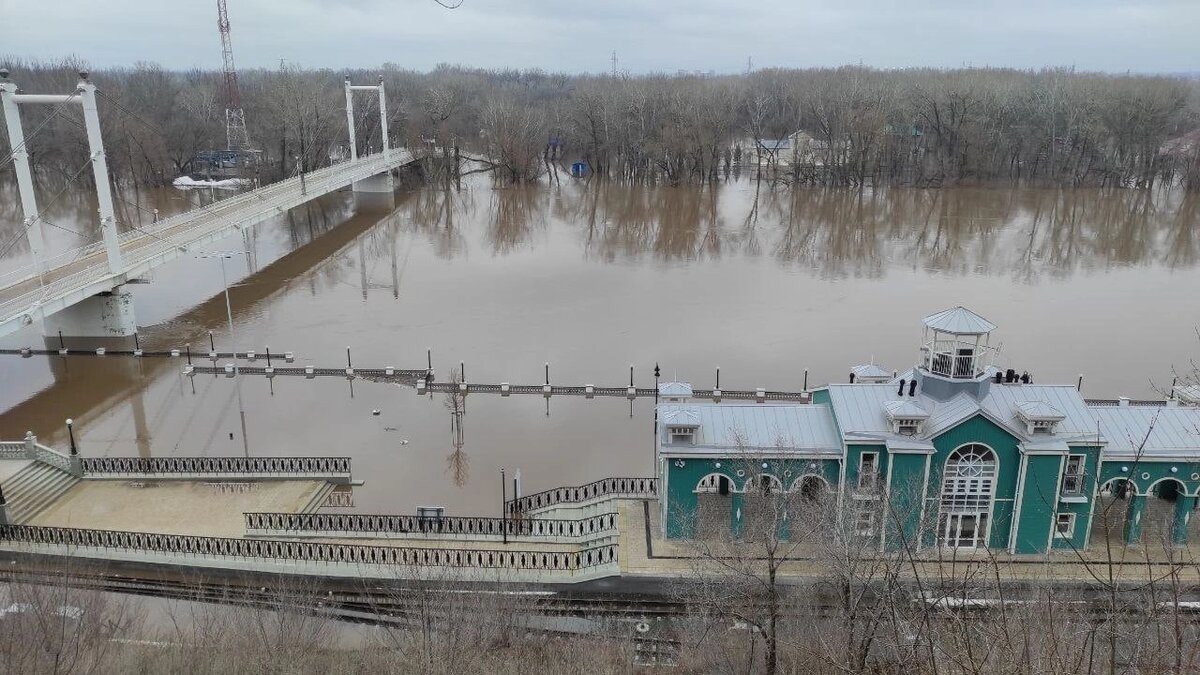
pixel 593 278
pixel 70 217
pixel 1018 231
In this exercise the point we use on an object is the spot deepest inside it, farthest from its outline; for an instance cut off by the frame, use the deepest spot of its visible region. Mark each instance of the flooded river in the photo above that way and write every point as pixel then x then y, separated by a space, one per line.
pixel 763 284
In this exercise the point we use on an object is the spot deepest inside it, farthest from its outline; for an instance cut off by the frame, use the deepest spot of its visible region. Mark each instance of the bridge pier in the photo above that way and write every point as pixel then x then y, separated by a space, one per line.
pixel 377 191
pixel 107 315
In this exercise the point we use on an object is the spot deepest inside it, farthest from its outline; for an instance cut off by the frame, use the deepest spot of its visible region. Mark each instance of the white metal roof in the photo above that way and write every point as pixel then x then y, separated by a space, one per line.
pixel 905 408
pixel 861 409
pixel 1134 430
pixel 959 321
pixel 675 389
pixel 769 428
pixel 870 370
pixel 1038 410
pixel 680 416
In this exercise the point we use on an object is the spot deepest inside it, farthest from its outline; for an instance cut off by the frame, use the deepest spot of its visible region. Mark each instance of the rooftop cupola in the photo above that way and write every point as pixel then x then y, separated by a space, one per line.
pixel 956 344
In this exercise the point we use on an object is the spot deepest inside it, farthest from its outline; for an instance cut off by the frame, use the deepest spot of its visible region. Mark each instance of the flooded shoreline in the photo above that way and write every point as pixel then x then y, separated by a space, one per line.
pixel 593 278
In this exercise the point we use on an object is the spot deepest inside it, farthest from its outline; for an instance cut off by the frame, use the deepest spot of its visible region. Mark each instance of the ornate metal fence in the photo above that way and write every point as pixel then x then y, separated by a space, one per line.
pixel 317 467
pixel 351 523
pixel 185 546
pixel 605 487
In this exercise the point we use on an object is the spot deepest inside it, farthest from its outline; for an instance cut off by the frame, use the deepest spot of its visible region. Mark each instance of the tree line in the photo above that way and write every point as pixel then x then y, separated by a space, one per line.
pixel 847 127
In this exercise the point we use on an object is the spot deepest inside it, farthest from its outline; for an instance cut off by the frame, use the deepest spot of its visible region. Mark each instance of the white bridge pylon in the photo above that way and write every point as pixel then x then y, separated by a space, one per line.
pixel 80 291
pixel 85 95
pixel 381 183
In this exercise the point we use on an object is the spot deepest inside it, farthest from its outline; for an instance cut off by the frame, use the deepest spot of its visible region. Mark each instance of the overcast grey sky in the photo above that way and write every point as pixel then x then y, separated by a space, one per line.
pixel 648 35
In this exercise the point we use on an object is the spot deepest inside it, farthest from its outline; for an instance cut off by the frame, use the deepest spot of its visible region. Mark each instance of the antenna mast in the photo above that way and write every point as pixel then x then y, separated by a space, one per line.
pixel 236 137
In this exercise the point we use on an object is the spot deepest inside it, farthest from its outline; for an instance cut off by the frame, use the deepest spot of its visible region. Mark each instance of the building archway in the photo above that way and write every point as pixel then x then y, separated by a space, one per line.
pixel 714 505
pixel 968 491
pixel 1167 511
pixel 1111 512
pixel 764 506
pixel 810 487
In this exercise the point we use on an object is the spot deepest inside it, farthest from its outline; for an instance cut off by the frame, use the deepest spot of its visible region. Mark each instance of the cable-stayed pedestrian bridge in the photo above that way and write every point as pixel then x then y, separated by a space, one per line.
pixel 78 292
pixel 76 276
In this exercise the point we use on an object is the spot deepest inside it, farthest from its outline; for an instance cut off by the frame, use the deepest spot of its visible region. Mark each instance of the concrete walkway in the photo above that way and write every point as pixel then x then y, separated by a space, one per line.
pixel 175 507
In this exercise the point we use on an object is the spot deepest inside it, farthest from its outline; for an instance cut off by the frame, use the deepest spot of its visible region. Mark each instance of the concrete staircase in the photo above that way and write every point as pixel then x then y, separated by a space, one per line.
pixel 319 498
pixel 33 488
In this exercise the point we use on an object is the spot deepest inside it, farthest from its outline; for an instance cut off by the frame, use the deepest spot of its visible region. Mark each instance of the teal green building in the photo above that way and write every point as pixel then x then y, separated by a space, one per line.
pixel 952 453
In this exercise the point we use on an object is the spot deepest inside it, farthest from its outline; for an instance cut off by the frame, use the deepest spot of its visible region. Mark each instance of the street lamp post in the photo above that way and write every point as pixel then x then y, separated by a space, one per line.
pixel 237 380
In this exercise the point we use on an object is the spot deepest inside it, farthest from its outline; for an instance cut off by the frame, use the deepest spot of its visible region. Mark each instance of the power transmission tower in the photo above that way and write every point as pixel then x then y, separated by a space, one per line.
pixel 236 136
pixel 614 63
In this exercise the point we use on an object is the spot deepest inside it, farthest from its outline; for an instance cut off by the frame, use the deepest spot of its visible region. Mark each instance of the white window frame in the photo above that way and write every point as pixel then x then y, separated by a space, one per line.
pixel 1070 519
pixel 866 482
pixel 968 496
pixel 864 523
pixel 678 434
pixel 907 426
pixel 1076 476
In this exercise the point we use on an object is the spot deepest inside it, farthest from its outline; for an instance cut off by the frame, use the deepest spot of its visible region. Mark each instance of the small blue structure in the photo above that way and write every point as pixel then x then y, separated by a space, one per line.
pixel 579 169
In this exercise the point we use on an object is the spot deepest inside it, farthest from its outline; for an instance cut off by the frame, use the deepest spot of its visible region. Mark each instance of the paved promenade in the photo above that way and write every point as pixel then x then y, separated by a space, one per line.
pixel 176 507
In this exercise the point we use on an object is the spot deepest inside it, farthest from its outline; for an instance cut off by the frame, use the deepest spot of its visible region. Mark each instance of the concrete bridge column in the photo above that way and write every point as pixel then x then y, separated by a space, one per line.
pixel 107 315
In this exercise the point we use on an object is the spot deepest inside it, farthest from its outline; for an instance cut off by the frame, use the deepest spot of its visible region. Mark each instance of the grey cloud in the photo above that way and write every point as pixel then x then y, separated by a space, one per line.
pixel 1111 35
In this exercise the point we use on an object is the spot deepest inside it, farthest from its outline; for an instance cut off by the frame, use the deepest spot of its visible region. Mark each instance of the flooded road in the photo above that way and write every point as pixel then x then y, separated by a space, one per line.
pixel 763 284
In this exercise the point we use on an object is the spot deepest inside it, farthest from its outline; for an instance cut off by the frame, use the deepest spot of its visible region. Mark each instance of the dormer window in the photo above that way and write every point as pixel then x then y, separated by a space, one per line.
pixel 682 434
pixel 907 418
pixel 1040 418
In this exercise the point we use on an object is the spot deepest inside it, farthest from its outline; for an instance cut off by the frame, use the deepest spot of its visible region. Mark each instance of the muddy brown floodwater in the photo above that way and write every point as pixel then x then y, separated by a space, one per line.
pixel 763 284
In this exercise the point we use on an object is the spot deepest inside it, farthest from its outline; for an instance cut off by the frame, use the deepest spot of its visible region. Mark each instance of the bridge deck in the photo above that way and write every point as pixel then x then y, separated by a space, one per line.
pixel 79 273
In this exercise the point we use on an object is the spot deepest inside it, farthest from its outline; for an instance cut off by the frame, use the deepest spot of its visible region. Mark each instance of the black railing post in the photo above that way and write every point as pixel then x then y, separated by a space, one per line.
pixel 503 506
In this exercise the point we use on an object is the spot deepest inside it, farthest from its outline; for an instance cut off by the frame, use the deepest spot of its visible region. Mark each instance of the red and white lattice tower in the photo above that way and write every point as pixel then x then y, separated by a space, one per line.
pixel 236 137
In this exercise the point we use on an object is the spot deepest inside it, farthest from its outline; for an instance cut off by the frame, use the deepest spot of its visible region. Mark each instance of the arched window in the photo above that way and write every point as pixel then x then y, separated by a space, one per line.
pixel 765 483
pixel 713 483
pixel 810 487
pixel 968 485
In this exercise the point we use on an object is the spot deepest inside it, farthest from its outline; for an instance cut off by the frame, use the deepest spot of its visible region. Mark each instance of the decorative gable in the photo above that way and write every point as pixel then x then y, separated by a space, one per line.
pixel 681 425
pixel 1039 417
pixel 906 417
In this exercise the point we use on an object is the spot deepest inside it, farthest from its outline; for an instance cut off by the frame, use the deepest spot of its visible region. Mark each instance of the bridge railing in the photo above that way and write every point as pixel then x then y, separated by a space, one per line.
pixel 307 524
pixel 606 487
pixel 167 235
pixel 31 449
pixel 330 468
pixel 79 541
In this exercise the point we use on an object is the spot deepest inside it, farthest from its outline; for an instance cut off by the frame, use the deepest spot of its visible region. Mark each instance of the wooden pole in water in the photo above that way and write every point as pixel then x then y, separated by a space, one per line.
pixel 718 387
pixel 187 346
pixel 806 379
pixel 547 372
pixel 268 356
pixel 61 343
pixel 212 346
pixel 348 358
pixel 631 374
